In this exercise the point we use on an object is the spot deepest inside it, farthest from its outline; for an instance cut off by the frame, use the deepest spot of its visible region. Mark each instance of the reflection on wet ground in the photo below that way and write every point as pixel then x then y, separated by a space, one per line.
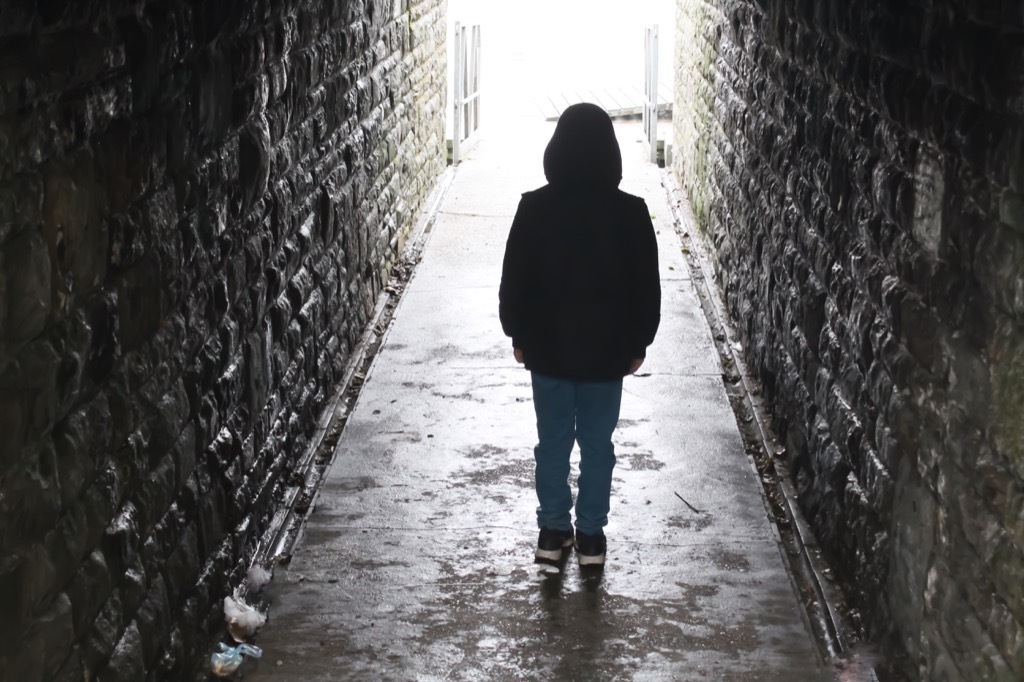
pixel 416 560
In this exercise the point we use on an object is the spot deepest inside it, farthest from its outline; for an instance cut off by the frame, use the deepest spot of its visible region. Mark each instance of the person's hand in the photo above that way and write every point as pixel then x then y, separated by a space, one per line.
pixel 634 365
pixel 518 353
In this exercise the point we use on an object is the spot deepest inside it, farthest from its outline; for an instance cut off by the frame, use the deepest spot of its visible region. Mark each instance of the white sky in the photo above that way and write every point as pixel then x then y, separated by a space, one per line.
pixel 534 47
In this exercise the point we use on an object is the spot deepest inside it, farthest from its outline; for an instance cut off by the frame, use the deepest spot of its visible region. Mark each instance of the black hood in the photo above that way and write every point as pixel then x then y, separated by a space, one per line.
pixel 583 152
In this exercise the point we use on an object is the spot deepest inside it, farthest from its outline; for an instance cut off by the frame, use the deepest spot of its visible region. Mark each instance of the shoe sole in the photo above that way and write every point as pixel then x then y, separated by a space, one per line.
pixel 590 559
pixel 552 554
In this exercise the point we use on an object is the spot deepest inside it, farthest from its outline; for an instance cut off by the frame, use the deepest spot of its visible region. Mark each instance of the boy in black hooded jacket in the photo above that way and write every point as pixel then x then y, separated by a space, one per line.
pixel 580 296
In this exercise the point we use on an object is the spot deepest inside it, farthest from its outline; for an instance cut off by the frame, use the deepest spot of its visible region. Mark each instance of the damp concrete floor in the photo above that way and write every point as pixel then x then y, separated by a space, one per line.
pixel 416 562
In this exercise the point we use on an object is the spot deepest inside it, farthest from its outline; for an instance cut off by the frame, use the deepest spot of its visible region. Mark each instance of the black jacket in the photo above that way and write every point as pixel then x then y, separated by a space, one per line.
pixel 580 292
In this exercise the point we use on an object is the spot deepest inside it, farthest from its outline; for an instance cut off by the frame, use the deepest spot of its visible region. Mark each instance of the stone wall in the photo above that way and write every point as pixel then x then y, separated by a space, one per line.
pixel 200 202
pixel 857 171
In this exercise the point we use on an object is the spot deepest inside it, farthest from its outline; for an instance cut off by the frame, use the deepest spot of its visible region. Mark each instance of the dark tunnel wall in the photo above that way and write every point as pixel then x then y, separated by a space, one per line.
pixel 857 170
pixel 199 204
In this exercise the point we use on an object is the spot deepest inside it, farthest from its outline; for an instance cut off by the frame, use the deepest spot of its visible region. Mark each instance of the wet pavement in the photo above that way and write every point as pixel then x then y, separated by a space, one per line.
pixel 417 559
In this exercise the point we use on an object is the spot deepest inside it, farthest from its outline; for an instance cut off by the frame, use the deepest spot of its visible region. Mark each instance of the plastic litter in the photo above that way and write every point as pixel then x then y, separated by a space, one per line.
pixel 243 620
pixel 257 578
pixel 229 659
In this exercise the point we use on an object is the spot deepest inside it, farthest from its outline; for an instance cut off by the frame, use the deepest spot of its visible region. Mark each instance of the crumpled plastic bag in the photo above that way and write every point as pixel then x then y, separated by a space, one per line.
pixel 257 577
pixel 242 620
pixel 229 659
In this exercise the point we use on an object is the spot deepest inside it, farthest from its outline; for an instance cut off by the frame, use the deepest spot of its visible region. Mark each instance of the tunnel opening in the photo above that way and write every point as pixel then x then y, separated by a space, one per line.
pixel 201 204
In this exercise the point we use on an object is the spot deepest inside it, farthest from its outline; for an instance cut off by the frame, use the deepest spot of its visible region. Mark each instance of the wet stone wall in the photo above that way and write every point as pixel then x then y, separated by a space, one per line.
pixel 199 204
pixel 857 170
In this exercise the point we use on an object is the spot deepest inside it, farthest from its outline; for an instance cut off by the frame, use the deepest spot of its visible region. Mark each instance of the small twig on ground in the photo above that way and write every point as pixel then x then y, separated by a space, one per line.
pixel 692 508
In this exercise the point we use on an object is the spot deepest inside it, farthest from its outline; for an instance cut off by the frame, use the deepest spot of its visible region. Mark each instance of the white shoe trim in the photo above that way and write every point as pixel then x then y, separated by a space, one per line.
pixel 549 554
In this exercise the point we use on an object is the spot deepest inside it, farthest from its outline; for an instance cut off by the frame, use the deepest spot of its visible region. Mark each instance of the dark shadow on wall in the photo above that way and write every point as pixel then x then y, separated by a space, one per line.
pixel 856 173
pixel 199 204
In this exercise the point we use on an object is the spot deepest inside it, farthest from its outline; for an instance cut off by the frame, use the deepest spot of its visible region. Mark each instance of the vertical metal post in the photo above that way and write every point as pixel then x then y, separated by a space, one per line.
pixel 650 111
pixel 458 91
pixel 465 88
pixel 476 77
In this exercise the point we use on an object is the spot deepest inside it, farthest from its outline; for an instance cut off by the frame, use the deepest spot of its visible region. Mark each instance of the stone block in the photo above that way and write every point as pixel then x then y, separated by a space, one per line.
pixel 258 379
pixel 122 540
pixel 929 195
pixel 72 669
pixel 89 591
pixel 72 226
pixel 879 484
pixel 254 160
pixel 155 494
pixel 69 543
pixel 171 413
pixel 26 588
pixel 919 328
pixel 14 426
pixel 172 659
pixel 77 439
pixel 1011 211
pixel 21 199
pixel 126 663
pixel 104 635
pixel 998 262
pixel 31 501
pixel 27 273
pixel 49 641
pixel 182 566
pixel 1007 374
pixel 1007 562
pixel 138 298
pixel 153 620
pixel 213 90
pixel 100 318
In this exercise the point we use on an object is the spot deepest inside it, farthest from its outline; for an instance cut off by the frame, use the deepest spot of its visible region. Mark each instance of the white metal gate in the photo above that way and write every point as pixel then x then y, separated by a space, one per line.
pixel 466 87
pixel 650 113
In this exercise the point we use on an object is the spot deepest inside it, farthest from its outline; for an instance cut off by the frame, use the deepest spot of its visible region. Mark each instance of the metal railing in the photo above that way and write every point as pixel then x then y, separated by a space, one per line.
pixel 466 87
pixel 650 112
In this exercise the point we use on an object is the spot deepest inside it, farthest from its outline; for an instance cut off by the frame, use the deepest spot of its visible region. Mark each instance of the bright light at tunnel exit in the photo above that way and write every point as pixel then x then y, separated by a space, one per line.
pixel 535 49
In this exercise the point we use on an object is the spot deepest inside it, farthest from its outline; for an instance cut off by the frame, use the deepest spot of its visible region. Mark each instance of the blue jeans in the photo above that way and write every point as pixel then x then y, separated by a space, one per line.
pixel 575 411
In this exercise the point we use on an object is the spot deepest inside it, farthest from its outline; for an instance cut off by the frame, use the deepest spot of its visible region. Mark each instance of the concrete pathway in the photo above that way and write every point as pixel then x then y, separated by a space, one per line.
pixel 416 563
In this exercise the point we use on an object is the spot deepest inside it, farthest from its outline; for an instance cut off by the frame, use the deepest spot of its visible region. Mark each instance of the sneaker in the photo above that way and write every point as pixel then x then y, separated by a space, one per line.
pixel 551 543
pixel 590 549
